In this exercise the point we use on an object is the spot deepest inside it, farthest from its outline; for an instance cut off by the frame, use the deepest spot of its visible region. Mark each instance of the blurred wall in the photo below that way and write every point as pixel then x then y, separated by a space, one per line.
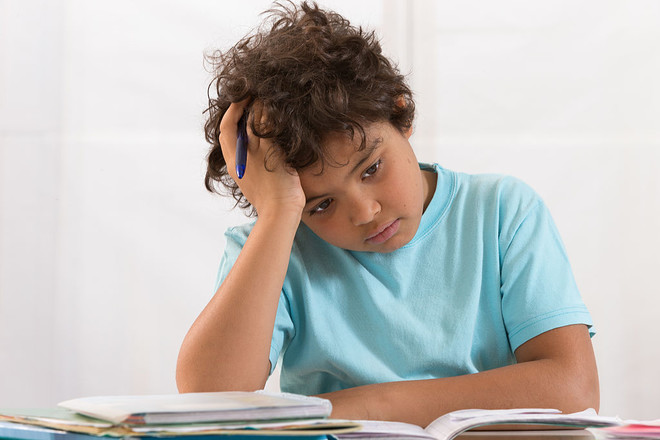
pixel 109 243
pixel 566 96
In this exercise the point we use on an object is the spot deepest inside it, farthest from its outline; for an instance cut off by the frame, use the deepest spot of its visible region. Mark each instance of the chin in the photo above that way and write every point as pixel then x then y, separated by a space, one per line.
pixel 388 248
pixel 393 244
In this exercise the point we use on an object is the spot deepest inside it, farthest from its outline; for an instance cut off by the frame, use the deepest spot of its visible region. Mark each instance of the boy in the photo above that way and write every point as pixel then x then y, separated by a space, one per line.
pixel 398 290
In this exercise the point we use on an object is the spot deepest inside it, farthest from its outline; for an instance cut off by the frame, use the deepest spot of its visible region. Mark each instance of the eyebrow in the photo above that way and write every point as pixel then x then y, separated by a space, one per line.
pixel 367 152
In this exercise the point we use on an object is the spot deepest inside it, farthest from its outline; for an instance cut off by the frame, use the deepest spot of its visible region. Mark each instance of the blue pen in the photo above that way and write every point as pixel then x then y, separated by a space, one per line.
pixel 241 146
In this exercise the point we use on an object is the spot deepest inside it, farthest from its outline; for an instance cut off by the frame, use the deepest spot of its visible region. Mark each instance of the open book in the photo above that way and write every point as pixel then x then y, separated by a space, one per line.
pixel 453 424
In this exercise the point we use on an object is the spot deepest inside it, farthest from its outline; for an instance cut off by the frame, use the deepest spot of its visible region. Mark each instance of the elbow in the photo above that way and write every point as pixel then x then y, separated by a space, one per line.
pixel 189 380
pixel 581 390
pixel 185 387
pixel 589 392
pixel 191 377
pixel 186 379
pixel 587 383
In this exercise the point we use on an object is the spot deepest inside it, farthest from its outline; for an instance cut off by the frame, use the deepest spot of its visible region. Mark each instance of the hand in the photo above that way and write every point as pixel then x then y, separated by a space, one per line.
pixel 354 403
pixel 271 190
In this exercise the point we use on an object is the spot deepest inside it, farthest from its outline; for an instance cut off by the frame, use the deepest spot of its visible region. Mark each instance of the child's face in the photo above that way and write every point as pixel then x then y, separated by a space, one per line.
pixel 372 201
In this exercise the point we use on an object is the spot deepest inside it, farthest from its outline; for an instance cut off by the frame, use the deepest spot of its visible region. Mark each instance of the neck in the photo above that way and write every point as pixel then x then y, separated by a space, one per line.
pixel 429 182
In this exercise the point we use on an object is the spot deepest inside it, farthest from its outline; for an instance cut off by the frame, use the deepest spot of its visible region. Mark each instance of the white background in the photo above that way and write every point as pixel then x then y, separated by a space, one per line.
pixel 109 243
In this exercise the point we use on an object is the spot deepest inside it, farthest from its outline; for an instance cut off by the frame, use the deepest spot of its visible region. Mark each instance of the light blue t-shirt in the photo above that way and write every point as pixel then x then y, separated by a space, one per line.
pixel 485 272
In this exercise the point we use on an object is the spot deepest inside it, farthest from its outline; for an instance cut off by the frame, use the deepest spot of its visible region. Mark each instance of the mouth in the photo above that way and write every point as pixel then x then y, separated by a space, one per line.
pixel 384 233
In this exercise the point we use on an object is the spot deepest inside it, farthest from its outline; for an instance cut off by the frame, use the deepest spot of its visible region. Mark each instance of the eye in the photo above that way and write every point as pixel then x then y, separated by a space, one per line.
pixel 321 208
pixel 372 170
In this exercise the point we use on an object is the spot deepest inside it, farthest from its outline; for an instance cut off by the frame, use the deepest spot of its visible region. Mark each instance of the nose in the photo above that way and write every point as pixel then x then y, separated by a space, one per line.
pixel 364 210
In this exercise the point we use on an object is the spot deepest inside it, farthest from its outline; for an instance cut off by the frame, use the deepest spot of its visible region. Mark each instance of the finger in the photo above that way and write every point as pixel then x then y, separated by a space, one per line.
pixel 228 134
pixel 255 116
pixel 256 145
pixel 254 142
pixel 262 148
pixel 232 115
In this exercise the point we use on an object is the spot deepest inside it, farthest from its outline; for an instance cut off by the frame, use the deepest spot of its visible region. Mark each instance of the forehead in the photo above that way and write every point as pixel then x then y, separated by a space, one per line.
pixel 340 150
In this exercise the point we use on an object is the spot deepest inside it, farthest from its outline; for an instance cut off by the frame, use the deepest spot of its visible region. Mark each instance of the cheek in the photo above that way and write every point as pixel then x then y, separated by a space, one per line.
pixel 327 229
pixel 400 191
pixel 403 182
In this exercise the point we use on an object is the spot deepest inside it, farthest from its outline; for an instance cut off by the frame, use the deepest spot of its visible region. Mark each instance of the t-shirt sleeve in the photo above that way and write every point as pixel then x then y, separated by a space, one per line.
pixel 539 292
pixel 284 329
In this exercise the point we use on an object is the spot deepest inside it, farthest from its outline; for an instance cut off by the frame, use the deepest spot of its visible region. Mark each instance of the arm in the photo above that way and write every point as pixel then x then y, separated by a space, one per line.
pixel 228 345
pixel 556 369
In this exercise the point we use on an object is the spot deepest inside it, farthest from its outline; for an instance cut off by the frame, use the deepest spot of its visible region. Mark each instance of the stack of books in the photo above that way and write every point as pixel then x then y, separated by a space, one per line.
pixel 215 415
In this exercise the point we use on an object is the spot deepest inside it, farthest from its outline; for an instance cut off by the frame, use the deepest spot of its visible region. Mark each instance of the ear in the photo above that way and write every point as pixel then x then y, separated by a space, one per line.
pixel 408 132
pixel 401 102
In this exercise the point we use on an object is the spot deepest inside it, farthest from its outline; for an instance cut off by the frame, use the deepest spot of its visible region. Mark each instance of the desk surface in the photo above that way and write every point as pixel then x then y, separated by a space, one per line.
pixel 16 431
pixel 20 431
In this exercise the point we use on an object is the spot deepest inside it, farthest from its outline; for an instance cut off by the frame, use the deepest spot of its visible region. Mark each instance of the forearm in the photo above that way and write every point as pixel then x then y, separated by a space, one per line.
pixel 227 347
pixel 532 384
pixel 556 369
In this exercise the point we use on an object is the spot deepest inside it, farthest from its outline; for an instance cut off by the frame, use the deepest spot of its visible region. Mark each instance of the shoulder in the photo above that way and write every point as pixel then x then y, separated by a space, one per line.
pixel 238 234
pixel 511 194
pixel 496 199
pixel 503 193
pixel 485 184
pixel 516 209
pixel 504 187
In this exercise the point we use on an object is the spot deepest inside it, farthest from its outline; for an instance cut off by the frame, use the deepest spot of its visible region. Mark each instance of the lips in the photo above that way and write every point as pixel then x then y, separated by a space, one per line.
pixel 384 233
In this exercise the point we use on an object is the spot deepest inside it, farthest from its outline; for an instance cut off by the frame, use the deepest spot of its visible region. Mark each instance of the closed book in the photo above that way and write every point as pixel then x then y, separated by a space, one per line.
pixel 200 407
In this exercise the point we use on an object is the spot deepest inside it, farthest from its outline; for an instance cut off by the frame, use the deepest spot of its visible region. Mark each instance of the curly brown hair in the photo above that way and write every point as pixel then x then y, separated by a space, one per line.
pixel 314 74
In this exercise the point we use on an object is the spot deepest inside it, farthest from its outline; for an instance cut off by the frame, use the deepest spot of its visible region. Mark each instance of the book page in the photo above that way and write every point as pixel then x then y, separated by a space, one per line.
pixel 452 424
pixel 386 430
